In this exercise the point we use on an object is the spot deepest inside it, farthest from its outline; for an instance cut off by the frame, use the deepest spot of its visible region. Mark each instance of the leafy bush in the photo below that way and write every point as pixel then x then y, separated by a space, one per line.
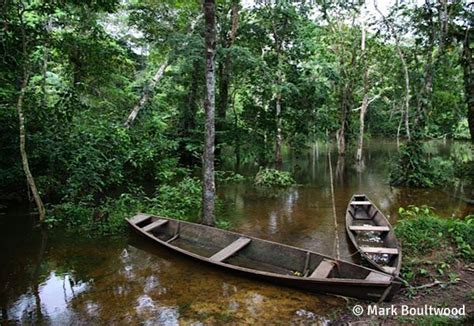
pixel 412 168
pixel 431 244
pixel 182 201
pixel 273 178
pixel 228 176
pixel 422 231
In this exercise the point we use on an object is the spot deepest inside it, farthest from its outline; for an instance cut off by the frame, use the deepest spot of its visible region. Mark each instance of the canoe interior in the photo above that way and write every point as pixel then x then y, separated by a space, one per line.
pixel 257 255
pixel 369 215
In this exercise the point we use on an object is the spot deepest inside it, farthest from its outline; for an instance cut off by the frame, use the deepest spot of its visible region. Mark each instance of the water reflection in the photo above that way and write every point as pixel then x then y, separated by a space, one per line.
pixel 60 279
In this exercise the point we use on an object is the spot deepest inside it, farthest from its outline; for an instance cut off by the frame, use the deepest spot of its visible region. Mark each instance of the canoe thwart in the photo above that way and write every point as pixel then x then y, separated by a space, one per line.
pixel 230 249
pixel 176 236
pixel 380 250
pixel 375 276
pixel 360 202
pixel 389 269
pixel 369 228
pixel 139 218
pixel 324 269
pixel 154 225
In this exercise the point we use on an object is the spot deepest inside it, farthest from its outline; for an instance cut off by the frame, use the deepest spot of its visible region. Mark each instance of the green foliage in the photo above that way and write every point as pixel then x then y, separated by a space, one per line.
pixel 422 231
pixel 90 63
pixel 229 177
pixel 412 168
pixel 181 200
pixel 273 178
pixel 431 244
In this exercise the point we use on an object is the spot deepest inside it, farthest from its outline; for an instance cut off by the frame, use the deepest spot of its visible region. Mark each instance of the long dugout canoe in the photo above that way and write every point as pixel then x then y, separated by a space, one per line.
pixel 266 260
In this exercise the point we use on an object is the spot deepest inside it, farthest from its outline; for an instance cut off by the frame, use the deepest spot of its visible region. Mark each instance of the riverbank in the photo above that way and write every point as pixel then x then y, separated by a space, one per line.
pixel 457 295
pixel 438 270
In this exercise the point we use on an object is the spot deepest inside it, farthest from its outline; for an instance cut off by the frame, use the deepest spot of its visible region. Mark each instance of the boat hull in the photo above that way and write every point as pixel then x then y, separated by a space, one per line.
pixel 365 217
pixel 351 287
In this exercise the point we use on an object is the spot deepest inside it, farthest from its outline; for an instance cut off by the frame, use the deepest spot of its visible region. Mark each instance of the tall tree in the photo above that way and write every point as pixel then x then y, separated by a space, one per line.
pixel 224 70
pixel 406 114
pixel 209 187
pixel 21 117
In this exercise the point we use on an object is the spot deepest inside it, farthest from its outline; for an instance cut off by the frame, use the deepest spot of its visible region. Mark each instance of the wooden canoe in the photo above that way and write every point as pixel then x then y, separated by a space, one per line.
pixel 266 260
pixel 372 235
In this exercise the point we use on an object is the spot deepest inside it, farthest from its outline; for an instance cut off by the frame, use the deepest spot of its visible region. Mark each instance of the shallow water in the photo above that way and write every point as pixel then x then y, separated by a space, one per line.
pixel 56 278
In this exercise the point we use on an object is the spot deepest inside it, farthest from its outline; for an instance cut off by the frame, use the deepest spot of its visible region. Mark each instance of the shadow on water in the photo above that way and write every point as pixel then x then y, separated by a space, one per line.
pixel 58 278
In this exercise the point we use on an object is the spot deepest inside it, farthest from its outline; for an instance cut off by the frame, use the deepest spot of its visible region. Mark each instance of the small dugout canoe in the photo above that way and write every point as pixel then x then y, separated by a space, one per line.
pixel 372 235
pixel 267 260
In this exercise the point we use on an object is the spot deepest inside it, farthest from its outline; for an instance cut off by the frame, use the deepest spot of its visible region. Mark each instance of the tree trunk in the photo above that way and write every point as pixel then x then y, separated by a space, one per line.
pixel 277 97
pixel 188 117
pixel 405 70
pixel 146 95
pixel 225 70
pixel 24 156
pixel 156 78
pixel 468 68
pixel 341 135
pixel 209 188
pixel 279 137
pixel 365 100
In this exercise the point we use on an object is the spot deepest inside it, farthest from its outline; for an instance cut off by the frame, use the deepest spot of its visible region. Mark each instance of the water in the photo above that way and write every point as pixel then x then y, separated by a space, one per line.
pixel 58 278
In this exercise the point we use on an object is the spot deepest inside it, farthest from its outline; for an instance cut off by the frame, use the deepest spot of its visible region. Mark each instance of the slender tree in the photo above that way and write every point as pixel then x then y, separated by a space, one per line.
pixel 21 118
pixel 209 188
pixel 392 30
pixel 225 73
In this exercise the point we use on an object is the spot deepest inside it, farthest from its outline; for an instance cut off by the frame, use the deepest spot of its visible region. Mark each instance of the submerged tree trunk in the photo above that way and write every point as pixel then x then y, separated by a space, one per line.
pixel 146 94
pixel 209 188
pixel 341 135
pixel 24 156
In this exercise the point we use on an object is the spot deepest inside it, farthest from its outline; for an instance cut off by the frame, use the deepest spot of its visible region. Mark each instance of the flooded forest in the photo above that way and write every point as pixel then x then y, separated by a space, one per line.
pixel 240 162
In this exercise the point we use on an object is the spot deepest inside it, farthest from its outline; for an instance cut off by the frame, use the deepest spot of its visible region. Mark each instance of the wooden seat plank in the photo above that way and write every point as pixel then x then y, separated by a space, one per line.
pixel 324 269
pixel 230 249
pixel 374 228
pixel 389 269
pixel 375 276
pixel 380 250
pixel 155 225
pixel 139 218
pixel 361 202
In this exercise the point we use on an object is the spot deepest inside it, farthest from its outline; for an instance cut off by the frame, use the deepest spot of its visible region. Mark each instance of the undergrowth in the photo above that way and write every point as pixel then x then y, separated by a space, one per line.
pixel 432 245
pixel 180 201
pixel 273 178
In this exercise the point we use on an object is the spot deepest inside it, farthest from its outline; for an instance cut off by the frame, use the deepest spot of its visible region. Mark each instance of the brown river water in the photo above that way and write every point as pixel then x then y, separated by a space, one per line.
pixel 51 277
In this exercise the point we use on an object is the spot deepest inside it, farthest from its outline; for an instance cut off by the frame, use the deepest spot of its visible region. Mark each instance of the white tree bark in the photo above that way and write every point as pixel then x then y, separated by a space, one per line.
pixel 405 69
pixel 209 187
pixel 146 95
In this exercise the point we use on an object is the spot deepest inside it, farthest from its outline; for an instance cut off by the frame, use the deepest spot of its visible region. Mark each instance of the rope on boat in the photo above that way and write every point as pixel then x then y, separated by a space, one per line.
pixel 336 236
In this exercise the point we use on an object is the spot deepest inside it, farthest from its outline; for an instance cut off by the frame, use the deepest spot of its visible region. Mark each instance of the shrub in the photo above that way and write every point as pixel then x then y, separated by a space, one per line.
pixel 273 178
pixel 181 200
pixel 229 176
pixel 431 244
pixel 411 167
pixel 422 231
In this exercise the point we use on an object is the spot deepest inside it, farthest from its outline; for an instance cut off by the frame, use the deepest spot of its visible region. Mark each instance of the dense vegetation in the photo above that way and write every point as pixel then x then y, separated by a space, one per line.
pixel 109 95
